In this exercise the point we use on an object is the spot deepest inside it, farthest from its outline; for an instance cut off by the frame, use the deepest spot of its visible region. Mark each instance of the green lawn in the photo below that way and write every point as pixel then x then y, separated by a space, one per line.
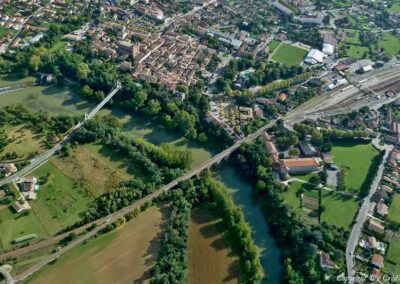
pixel 3 31
pixel 339 209
pixel 289 54
pixel 356 159
pixel 11 80
pixel 13 225
pixel 392 260
pixel 390 43
pixel 394 210
pixel 291 196
pixel 395 7
pixel 59 201
pixel 273 45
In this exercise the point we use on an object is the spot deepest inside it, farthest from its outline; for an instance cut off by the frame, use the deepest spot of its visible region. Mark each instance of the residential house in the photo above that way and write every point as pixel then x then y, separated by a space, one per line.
pixel 376 226
pixel 2 193
pixel 19 207
pixel 382 209
pixel 325 261
pixel 377 260
pixel 9 169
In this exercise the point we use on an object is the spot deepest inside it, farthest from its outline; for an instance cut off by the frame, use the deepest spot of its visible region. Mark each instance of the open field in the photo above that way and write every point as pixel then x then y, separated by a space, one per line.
pixel 96 167
pixel 356 159
pixel 11 80
pixel 394 210
pixel 395 7
pixel 289 54
pixel 121 256
pixel 339 209
pixel 15 225
pixel 292 197
pixel 22 141
pixel 390 43
pixel 47 98
pixel 60 199
pixel 392 260
pixel 209 257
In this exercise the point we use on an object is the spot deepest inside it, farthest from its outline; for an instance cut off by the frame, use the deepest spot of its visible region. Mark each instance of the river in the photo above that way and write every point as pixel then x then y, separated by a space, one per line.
pixel 243 197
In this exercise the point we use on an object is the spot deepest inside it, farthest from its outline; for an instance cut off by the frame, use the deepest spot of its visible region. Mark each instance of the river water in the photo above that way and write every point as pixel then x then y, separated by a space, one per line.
pixel 243 197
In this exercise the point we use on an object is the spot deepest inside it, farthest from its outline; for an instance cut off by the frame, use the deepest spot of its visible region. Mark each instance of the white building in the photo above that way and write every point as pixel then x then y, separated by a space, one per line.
pixel 314 56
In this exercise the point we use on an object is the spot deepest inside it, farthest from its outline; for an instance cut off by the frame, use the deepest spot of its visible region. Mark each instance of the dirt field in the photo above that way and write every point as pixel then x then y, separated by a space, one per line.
pixel 209 257
pixel 122 256
pixel 95 171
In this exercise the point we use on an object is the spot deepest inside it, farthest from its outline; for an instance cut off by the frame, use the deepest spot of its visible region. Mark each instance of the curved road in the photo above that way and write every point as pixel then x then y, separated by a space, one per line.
pixel 7 275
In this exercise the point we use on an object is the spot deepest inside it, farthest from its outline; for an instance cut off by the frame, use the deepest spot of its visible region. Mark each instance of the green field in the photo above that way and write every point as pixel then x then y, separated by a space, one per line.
pixel 352 45
pixel 11 80
pixel 392 259
pixel 356 159
pixel 273 45
pixel 60 200
pixel 339 209
pixel 289 54
pixel 395 7
pixel 390 43
pixel 394 210
pixel 3 31
pixel 291 196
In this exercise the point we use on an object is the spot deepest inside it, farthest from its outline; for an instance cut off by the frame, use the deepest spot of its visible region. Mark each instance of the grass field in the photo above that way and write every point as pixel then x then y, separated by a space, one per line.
pixel 273 45
pixel 395 7
pixel 121 256
pixel 392 259
pixel 356 159
pixel 339 209
pixel 22 141
pixel 289 54
pixel 96 166
pixel 7 80
pixel 4 31
pixel 15 225
pixel 60 200
pixel 209 257
pixel 352 44
pixel 47 98
pixel 390 43
pixel 394 210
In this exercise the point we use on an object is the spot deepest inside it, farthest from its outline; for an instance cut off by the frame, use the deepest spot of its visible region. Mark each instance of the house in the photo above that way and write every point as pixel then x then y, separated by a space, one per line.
pixel 2 193
pixel 9 169
pixel 271 149
pixel 376 226
pixel 299 165
pixel 382 209
pixel 375 274
pixel 377 260
pixel 18 207
pixel 306 149
pixel 325 261
pixel 387 189
pixel 372 243
pixel 327 157
pixel 28 183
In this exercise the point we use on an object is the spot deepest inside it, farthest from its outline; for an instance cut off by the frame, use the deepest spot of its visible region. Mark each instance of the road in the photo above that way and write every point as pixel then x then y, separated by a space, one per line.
pixel 21 29
pixel 363 214
pixel 42 158
pixel 7 275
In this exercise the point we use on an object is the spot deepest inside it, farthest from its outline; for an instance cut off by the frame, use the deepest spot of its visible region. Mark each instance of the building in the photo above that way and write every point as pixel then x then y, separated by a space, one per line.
pixel 9 169
pixel 128 48
pixel 325 261
pixel 314 57
pixel 19 207
pixel 376 226
pixel 329 44
pixel 306 149
pixel 377 260
pixel 382 209
pixel 2 193
pixel 226 38
pixel 299 165
pixel 375 274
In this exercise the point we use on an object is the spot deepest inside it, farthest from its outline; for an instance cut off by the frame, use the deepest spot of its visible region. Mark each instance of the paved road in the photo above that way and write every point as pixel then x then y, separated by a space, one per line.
pixel 363 214
pixel 7 275
pixel 39 160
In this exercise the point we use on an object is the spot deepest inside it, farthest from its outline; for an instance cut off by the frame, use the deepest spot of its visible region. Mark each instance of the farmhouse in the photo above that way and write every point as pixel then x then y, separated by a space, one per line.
pixel 18 207
pixel 300 165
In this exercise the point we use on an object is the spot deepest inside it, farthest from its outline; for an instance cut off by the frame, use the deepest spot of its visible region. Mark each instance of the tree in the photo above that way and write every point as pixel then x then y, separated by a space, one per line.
pixel 82 71
pixel 153 107
pixel 294 152
pixel 34 62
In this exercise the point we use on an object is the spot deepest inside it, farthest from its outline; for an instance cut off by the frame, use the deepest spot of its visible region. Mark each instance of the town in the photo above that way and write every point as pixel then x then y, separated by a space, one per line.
pixel 199 141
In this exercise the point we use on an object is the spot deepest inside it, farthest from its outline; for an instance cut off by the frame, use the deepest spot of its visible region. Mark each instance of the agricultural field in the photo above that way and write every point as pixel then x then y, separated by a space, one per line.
pixel 22 141
pixel 394 210
pixel 392 259
pixel 339 209
pixel 289 54
pixel 209 257
pixel 124 255
pixel 59 200
pixel 356 160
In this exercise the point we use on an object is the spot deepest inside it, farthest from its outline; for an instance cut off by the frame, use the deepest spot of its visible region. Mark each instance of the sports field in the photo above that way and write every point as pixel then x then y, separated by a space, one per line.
pixel 289 54
pixel 209 257
pixel 356 160
pixel 273 45
pixel 125 255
